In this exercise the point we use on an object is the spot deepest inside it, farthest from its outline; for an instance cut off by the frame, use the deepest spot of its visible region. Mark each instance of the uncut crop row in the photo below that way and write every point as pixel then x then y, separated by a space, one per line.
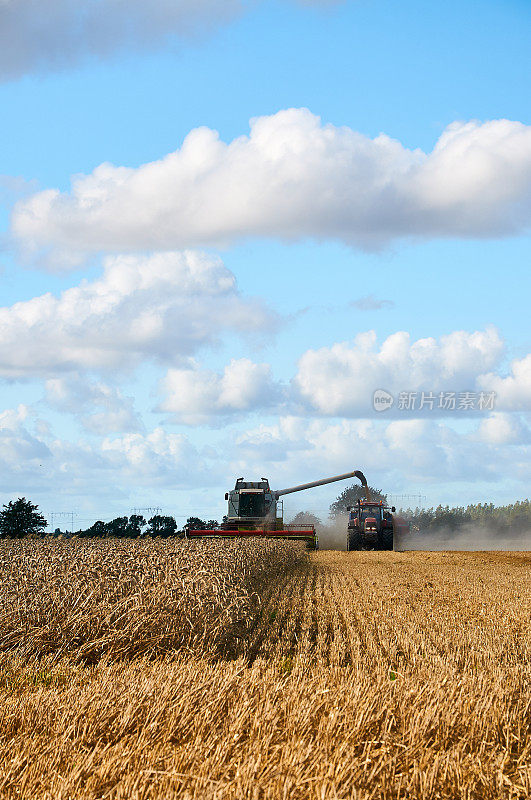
pixel 90 598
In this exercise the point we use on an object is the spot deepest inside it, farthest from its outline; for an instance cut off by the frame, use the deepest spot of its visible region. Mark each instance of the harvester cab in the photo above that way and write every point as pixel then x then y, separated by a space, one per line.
pixel 251 503
pixel 254 509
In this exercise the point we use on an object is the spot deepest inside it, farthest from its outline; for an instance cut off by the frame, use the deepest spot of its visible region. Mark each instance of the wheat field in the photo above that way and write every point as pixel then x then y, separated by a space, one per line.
pixel 244 670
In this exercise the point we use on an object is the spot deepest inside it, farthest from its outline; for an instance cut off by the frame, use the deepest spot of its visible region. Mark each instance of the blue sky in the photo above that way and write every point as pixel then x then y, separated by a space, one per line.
pixel 160 377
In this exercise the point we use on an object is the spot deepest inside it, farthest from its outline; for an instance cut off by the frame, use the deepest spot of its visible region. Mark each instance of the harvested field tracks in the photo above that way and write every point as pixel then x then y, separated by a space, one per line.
pixel 250 670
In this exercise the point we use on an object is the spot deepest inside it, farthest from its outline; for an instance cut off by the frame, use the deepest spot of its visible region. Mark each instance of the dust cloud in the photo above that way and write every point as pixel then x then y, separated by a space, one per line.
pixel 333 536
pixel 466 537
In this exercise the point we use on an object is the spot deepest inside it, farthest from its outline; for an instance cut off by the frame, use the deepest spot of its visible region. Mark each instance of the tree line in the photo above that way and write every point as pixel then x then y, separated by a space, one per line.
pixel 20 518
pixel 136 525
pixel 509 519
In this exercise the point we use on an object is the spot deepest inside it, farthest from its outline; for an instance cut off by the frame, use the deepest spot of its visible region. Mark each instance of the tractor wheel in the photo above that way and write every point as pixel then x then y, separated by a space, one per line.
pixel 387 540
pixel 354 541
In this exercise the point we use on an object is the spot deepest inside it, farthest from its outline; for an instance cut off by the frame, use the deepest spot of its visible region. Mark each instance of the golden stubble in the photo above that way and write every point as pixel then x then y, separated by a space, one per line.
pixel 250 670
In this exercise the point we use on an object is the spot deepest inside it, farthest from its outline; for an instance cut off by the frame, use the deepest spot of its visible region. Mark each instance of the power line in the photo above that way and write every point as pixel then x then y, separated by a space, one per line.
pixel 420 499
pixel 149 511
pixel 62 514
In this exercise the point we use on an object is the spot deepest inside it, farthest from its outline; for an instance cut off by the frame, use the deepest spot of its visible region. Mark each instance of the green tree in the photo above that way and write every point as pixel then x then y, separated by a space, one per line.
pixel 117 527
pixel 194 524
pixel 135 525
pixel 161 526
pixel 20 518
pixel 99 530
pixel 351 495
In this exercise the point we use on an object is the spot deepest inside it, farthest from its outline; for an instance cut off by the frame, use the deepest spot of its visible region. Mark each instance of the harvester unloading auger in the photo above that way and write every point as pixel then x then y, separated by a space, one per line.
pixel 254 510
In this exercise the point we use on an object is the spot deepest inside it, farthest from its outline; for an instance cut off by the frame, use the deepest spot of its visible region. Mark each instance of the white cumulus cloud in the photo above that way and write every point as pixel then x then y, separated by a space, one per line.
pixel 396 455
pixel 291 178
pixel 22 450
pixel 514 390
pixel 196 396
pixel 501 428
pixel 162 307
pixel 157 457
pixel 340 380
pixel 102 409
pixel 36 463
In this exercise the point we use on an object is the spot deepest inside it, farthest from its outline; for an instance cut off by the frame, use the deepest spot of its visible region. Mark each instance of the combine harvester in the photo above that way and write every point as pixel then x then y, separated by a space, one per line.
pixel 256 510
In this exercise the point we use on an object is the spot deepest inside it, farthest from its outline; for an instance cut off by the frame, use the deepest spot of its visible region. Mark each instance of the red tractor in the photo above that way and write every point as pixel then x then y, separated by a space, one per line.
pixel 373 525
